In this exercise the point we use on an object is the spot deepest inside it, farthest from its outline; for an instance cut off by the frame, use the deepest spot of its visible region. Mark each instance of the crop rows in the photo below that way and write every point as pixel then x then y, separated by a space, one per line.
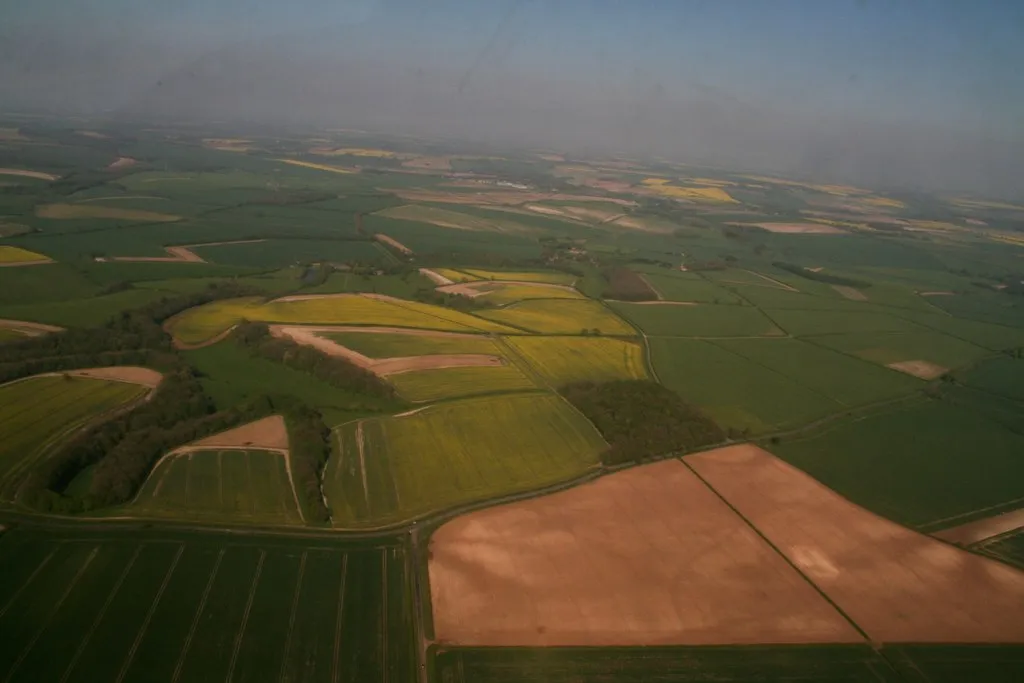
pixel 433 385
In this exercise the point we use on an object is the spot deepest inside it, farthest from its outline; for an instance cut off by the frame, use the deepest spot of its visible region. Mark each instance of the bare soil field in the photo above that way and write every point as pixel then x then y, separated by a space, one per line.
pixel 435 277
pixel 21 264
pixel 392 242
pixel 646 556
pixel 486 196
pixel 895 584
pixel 266 434
pixel 850 293
pixel 180 254
pixel 381 366
pixel 795 228
pixel 122 373
pixel 975 532
pixel 639 224
pixel 27 328
pixel 919 368
pixel 122 162
pixel 38 175
pixel 429 163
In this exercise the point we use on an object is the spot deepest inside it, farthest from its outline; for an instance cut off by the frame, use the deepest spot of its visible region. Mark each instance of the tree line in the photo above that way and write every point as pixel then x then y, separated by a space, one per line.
pixel 642 420
pixel 820 276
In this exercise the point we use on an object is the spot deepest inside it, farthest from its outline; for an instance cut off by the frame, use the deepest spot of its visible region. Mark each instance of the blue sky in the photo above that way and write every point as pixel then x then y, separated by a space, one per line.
pixel 880 80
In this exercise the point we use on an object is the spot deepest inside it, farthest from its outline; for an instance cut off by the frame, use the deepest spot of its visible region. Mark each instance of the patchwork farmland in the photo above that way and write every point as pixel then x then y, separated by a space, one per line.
pixel 346 408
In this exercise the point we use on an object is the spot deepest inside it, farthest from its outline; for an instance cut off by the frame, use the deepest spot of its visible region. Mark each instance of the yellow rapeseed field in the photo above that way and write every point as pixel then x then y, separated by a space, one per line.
pixel 561 316
pixel 522 276
pixel 19 255
pixel 561 360
pixel 444 383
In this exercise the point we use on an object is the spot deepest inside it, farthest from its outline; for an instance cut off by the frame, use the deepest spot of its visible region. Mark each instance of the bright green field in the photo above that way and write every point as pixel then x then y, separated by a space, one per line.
pixel 384 345
pixel 849 381
pixel 680 286
pixel 929 465
pixel 443 383
pixel 560 317
pixel 884 347
pixel 737 392
pixel 561 360
pixel 702 320
pixel 229 485
pixel 199 324
pixel 36 413
pixel 83 605
pixel 454 453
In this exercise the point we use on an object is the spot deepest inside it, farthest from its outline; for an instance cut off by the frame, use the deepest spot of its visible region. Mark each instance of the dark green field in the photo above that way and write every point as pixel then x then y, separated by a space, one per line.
pixel 136 605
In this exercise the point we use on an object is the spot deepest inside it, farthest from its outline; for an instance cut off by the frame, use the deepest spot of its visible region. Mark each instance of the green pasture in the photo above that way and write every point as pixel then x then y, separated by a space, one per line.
pixel 701 320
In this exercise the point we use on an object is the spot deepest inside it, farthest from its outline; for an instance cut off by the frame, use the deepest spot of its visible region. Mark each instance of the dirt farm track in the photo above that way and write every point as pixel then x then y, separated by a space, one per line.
pixel 745 549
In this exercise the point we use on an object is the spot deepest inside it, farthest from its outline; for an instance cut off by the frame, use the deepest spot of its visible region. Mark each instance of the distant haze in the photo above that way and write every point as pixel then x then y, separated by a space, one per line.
pixel 916 94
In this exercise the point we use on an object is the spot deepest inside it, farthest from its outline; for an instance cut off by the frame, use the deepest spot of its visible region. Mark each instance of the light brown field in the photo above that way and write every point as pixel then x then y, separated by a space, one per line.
pixel 29 329
pixel 180 254
pixel 895 584
pixel 121 162
pixel 73 211
pixel 481 287
pixel 92 134
pixel 435 277
pixel 919 368
pixel 936 293
pixel 266 434
pixel 122 373
pixel 307 335
pixel 640 224
pixel 646 556
pixel 661 302
pixel 393 242
pixel 38 175
pixel 974 532
pixel 429 163
pixel 499 197
pixel 795 228
pixel 850 293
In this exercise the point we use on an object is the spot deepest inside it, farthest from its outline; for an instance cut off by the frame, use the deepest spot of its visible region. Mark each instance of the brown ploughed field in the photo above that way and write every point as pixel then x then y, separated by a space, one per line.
pixel 975 532
pixel 646 556
pixel 895 584
pixel 269 434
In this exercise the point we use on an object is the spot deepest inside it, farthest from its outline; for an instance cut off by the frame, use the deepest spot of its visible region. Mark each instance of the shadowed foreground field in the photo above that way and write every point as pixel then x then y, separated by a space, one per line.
pixel 137 606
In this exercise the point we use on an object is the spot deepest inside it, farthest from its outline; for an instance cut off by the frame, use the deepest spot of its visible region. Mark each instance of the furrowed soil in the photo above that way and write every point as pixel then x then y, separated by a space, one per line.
pixel 647 556
pixel 268 433
pixel 895 584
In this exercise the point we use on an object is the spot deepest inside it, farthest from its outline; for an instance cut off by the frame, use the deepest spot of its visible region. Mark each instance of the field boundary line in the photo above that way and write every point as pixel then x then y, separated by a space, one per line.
pixel 338 621
pixel 384 616
pixel 245 617
pixel 99 615
pixel 786 559
pixel 56 608
pixel 195 620
pixel 220 479
pixel 1013 501
pixel 362 466
pixel 149 615
pixel 291 618
pixel 31 577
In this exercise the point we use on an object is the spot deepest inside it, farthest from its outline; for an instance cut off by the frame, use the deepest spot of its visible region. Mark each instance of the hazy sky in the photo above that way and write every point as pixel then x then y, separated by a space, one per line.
pixel 885 92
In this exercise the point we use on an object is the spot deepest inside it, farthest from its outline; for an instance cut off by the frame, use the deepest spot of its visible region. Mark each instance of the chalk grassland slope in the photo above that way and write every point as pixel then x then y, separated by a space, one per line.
pixel 697 321
pixel 522 276
pixel 202 323
pixel 374 344
pixel 37 412
pixel 885 348
pixel 236 486
pixel 84 606
pixel 452 219
pixel 737 392
pixel 560 317
pixel 929 465
pixel 85 211
pixel 392 469
pixel 896 585
pixel 600 594
pixel 561 360
pixel 17 255
pixel 444 383
pixel 849 381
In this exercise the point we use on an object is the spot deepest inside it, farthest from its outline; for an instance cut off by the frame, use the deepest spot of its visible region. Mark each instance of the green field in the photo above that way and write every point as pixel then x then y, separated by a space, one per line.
pixel 561 360
pixel 36 413
pixel 202 323
pixel 929 465
pixel 848 381
pixel 565 316
pixel 392 469
pixel 9 335
pixel 737 392
pixel 434 385
pixel 80 605
pixel 81 312
pixel 682 286
pixel 522 276
pixel 1002 376
pixel 702 320
pixel 247 487
pixel 733 664
pixel 885 347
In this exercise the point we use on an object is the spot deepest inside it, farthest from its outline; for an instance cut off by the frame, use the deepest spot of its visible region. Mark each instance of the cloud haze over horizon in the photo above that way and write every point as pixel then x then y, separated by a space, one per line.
pixel 880 92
